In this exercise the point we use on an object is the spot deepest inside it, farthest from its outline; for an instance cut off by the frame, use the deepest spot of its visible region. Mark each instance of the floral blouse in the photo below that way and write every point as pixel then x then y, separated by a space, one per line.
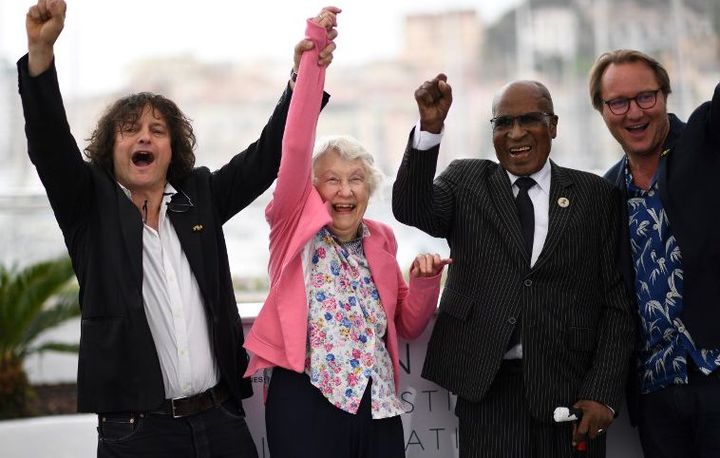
pixel 346 328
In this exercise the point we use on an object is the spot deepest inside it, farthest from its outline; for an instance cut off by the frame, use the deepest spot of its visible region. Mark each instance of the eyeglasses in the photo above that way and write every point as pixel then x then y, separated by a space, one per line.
pixel 525 121
pixel 621 105
pixel 179 203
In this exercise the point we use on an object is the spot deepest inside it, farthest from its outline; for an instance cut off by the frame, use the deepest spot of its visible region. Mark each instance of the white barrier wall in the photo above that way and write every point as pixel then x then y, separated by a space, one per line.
pixel 430 424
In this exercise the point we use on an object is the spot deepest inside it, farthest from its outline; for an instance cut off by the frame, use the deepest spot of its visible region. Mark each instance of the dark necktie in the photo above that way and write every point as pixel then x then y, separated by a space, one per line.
pixel 526 212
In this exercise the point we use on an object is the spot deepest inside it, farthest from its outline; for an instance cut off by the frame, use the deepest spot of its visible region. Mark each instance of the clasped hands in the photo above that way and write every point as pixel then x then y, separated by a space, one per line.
pixel 326 18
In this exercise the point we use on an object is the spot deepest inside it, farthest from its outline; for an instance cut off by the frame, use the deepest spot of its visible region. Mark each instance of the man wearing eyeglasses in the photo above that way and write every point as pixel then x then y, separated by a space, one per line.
pixel 161 357
pixel 533 314
pixel 669 252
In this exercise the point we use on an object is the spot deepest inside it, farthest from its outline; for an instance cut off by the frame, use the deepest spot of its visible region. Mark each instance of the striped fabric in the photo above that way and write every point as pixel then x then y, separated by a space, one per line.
pixel 577 330
pixel 485 426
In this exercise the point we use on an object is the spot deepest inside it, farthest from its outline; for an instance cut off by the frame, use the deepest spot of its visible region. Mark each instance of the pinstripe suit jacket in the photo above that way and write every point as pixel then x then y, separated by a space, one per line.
pixel 577 329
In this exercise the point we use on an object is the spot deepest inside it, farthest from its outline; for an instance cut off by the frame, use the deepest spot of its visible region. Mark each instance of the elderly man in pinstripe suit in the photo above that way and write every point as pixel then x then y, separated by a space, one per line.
pixel 534 314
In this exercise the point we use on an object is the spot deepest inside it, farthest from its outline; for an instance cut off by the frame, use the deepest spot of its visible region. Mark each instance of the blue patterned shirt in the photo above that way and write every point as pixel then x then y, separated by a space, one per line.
pixel 659 292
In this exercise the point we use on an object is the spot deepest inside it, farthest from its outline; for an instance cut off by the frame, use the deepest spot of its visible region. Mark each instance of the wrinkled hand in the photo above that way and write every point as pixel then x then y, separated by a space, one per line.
pixel 433 99
pixel 595 420
pixel 328 19
pixel 428 265
pixel 43 23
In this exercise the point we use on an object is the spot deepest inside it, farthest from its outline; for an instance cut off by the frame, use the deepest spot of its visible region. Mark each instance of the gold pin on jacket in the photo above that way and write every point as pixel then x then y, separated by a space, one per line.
pixel 564 202
pixel 197 228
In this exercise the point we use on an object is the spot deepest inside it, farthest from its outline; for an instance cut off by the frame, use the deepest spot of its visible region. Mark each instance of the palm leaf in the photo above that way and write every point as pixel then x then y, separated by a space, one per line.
pixel 54 346
pixel 24 295
pixel 50 318
pixel 32 300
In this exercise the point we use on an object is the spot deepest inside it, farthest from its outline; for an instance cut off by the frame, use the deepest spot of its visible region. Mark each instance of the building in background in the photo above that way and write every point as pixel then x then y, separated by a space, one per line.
pixel 554 41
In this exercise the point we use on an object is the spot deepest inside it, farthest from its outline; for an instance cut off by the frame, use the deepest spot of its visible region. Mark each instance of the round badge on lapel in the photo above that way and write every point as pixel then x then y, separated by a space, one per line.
pixel 564 202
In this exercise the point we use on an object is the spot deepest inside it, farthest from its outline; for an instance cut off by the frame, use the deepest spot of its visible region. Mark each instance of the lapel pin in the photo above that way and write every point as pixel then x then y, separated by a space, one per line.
pixel 564 202
pixel 197 228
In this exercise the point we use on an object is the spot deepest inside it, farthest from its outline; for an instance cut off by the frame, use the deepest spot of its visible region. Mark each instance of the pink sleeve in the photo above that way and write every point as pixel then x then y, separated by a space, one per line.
pixel 416 304
pixel 294 177
pixel 417 307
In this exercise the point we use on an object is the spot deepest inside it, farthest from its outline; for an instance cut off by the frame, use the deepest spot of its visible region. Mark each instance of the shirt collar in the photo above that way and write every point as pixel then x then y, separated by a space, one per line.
pixel 168 192
pixel 364 232
pixel 628 176
pixel 541 177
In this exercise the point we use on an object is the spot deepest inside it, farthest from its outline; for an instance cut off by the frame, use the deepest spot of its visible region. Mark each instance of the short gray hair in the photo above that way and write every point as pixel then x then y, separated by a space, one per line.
pixel 349 149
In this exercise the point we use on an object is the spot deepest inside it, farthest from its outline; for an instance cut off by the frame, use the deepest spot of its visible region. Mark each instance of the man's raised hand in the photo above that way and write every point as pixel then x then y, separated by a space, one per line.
pixel 43 22
pixel 434 98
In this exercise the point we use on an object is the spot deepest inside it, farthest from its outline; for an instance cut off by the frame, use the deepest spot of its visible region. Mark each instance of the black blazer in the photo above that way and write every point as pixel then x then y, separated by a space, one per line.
pixel 119 369
pixel 689 183
pixel 577 330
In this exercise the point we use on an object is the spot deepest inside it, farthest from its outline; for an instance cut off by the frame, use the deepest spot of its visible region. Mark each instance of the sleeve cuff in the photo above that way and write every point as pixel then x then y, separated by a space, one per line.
pixel 423 140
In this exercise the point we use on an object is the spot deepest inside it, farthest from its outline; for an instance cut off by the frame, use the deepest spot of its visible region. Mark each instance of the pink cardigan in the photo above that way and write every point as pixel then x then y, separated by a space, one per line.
pixel 279 335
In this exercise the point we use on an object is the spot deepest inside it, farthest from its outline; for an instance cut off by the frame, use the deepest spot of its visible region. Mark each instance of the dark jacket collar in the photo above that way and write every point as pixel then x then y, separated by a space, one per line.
pixel 676 129
pixel 616 174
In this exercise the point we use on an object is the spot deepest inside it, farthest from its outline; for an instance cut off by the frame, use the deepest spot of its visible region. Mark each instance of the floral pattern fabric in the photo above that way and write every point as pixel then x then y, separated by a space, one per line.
pixel 346 328
pixel 657 259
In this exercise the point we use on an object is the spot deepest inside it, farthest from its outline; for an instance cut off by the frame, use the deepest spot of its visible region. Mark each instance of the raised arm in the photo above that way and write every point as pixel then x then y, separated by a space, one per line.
pixel 44 22
pixel 51 146
pixel 251 172
pixel 714 121
pixel 294 177
pixel 416 201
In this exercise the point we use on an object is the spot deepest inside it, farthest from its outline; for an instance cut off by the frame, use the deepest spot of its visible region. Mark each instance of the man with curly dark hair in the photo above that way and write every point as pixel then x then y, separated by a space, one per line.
pixel 161 357
pixel 125 113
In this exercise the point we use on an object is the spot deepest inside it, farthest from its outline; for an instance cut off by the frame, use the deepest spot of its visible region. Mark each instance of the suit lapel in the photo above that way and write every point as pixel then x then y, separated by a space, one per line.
pixel 381 263
pixel 191 232
pixel 131 227
pixel 662 177
pixel 502 197
pixel 560 207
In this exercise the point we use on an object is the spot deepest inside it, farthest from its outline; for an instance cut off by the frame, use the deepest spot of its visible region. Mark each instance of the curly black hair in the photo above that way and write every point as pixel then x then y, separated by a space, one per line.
pixel 126 111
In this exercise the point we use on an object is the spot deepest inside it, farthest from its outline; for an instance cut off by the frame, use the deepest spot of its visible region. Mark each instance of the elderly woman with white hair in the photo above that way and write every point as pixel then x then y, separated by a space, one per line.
pixel 338 300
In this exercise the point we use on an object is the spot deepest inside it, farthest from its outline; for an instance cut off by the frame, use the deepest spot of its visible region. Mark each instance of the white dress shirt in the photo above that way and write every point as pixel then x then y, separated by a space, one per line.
pixel 174 310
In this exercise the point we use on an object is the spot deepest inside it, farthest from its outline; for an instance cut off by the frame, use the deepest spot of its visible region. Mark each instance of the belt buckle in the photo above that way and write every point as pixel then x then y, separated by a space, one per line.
pixel 172 406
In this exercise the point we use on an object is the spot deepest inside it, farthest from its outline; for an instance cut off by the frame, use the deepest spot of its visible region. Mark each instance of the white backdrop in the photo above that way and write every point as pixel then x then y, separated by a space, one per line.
pixel 430 424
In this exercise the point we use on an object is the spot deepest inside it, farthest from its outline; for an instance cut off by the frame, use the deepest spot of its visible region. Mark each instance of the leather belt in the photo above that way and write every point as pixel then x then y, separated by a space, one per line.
pixel 191 405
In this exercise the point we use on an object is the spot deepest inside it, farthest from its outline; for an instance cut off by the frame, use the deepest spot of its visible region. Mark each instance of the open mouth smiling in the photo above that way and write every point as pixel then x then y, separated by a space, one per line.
pixel 518 150
pixel 637 128
pixel 343 208
pixel 142 158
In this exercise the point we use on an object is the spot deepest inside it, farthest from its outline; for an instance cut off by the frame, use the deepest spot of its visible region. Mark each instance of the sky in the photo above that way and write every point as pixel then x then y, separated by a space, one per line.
pixel 101 36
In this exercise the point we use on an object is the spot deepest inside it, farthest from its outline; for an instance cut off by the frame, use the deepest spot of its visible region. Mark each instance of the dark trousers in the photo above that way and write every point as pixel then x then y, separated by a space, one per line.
pixel 682 421
pixel 214 433
pixel 501 426
pixel 301 423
